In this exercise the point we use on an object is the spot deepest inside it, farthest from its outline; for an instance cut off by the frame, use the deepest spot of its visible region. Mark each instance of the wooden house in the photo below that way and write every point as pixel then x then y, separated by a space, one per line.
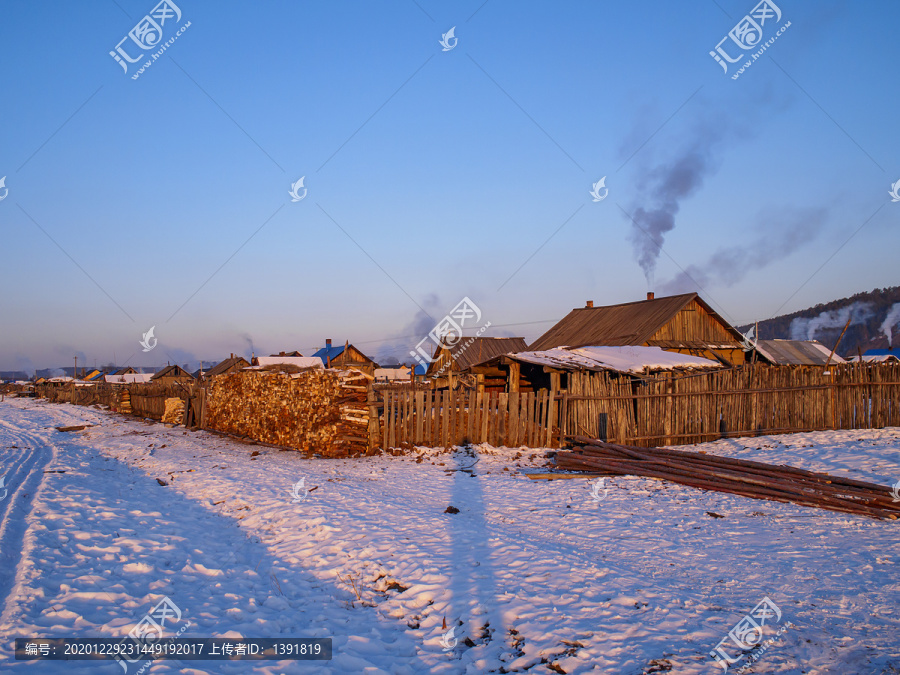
pixel 679 323
pixel 128 370
pixel 476 356
pixel 345 356
pixel 230 365
pixel 171 375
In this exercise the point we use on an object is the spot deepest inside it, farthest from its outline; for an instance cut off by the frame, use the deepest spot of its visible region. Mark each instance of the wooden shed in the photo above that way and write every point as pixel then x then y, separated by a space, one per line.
pixel 679 323
pixel 477 356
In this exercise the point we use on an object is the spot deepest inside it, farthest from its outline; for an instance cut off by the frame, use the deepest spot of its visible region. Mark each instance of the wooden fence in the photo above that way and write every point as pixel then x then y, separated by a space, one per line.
pixel 670 409
pixel 445 418
pixel 681 409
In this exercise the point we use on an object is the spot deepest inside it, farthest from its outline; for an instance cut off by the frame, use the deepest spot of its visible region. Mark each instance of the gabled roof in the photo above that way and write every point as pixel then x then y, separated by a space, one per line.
pixel 172 371
pixel 122 371
pixel 226 365
pixel 631 323
pixel 466 355
pixel 796 352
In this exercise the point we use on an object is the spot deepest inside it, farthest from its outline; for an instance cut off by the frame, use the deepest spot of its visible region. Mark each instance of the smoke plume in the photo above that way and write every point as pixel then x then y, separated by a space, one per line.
pixel 806 329
pixel 422 322
pixel 891 320
pixel 248 340
pixel 785 232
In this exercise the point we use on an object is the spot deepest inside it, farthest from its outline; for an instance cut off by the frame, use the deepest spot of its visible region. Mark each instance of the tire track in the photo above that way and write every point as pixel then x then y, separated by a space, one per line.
pixel 23 480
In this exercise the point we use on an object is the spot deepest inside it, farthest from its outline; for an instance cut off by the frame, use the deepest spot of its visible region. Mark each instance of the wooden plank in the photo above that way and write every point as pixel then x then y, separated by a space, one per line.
pixel 470 418
pixel 429 414
pixel 502 412
pixel 445 417
pixel 392 439
pixel 513 435
pixel 385 419
pixel 485 416
pixel 420 412
pixel 529 440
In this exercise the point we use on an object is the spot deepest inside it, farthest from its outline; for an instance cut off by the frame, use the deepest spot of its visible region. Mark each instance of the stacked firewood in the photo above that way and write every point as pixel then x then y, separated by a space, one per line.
pixel 316 411
pixel 736 476
pixel 125 403
pixel 174 412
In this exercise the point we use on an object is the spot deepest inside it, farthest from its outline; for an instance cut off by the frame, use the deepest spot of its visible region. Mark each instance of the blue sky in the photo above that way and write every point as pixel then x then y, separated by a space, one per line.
pixel 431 175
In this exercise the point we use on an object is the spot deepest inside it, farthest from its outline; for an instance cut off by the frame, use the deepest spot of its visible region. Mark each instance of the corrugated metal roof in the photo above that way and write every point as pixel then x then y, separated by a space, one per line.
pixel 882 352
pixel 631 323
pixel 796 352
pixel 484 349
pixel 876 358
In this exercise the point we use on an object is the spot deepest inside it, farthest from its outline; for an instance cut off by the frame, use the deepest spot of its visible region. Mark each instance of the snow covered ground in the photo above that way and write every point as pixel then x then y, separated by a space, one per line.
pixel 535 576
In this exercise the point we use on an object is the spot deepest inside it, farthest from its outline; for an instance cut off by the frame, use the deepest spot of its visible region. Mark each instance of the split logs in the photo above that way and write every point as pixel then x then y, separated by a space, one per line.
pixel 317 411
pixel 735 476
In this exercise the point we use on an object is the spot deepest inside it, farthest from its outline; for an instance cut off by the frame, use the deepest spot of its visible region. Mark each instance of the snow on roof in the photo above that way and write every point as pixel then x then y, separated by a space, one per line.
pixel 128 378
pixel 299 361
pixel 398 373
pixel 636 360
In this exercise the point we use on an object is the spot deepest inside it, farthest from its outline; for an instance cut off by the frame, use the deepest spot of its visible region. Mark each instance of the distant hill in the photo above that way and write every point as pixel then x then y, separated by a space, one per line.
pixel 824 322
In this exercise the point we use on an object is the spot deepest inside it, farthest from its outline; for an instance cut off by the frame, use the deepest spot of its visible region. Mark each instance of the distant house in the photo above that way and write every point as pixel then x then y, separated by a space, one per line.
pixel 94 376
pixel 230 365
pixel 679 323
pixel 171 375
pixel 394 374
pixel 345 356
pixel 299 362
pixel 795 353
pixel 125 371
pixel 470 356
pixel 128 378
pixel 293 353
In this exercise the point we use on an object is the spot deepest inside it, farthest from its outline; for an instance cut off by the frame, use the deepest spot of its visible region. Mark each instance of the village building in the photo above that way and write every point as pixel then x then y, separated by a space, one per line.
pixel 172 375
pixel 795 353
pixel 475 357
pixel 230 365
pixel 679 323
pixel 345 356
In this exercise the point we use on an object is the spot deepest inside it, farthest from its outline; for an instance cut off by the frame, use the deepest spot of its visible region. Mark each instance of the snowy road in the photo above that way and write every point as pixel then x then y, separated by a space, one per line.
pixel 536 576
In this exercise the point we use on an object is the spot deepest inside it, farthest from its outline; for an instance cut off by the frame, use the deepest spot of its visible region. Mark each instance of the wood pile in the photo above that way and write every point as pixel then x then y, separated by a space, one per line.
pixel 317 411
pixel 174 412
pixel 735 476
pixel 125 403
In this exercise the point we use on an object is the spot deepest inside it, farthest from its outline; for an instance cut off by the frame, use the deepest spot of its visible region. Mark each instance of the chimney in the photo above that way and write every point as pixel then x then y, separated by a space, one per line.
pixel 589 303
pixel 650 295
pixel 328 343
